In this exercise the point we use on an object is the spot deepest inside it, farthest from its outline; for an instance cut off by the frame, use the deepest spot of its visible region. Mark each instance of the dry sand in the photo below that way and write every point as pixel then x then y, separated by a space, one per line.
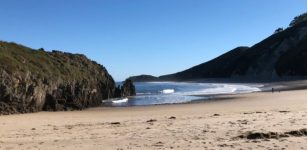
pixel 207 125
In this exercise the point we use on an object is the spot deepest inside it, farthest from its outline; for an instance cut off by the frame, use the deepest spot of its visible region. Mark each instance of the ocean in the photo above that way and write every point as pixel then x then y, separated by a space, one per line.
pixel 157 93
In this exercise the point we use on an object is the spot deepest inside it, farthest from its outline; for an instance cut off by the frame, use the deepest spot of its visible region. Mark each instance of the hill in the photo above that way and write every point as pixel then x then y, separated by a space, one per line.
pixel 282 55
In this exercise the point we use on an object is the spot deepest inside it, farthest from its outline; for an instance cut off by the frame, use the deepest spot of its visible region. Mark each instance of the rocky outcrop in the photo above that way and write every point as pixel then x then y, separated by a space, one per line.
pixel 128 89
pixel 118 92
pixel 35 80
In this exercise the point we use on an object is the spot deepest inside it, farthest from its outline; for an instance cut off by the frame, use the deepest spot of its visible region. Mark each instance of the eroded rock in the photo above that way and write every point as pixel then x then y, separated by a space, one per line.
pixel 128 89
pixel 32 80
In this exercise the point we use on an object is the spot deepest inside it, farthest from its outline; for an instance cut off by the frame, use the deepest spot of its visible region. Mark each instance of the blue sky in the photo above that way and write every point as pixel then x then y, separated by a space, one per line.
pixel 132 37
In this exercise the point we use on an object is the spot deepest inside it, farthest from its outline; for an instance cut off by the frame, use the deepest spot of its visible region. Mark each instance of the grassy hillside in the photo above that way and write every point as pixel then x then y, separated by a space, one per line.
pixel 281 54
pixel 52 65
pixel 220 67
pixel 294 62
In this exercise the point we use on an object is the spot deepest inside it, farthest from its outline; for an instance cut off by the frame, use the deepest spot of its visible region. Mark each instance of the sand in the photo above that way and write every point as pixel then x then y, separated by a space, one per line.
pixel 206 125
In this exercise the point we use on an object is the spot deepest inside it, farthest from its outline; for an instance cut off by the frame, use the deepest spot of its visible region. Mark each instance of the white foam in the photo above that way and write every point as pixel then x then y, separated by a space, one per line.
pixel 168 91
pixel 120 100
pixel 225 89
pixel 146 93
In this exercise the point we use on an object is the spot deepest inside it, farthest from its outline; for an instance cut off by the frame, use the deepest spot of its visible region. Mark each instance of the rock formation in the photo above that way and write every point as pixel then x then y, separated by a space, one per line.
pixel 128 89
pixel 35 80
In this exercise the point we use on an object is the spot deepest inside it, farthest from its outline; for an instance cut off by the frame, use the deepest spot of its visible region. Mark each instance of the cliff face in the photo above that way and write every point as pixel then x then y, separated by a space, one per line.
pixel 35 80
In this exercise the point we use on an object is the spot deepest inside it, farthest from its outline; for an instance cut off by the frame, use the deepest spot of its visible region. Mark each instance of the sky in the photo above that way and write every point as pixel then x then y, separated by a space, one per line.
pixel 133 37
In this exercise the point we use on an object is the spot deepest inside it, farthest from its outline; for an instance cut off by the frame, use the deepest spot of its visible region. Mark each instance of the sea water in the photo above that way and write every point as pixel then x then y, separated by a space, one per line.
pixel 156 93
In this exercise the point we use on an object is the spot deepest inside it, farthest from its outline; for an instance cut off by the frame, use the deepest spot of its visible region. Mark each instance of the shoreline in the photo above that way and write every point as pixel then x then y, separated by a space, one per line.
pixel 265 87
pixel 215 124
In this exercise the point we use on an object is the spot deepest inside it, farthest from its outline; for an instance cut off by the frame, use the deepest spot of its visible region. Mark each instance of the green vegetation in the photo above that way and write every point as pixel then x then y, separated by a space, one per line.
pixel 55 65
pixel 294 62
pixel 298 19
pixel 283 54
pixel 35 80
pixel 278 30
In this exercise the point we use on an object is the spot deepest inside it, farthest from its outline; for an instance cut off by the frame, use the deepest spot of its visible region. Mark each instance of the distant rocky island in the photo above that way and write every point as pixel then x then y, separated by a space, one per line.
pixel 283 55
pixel 35 80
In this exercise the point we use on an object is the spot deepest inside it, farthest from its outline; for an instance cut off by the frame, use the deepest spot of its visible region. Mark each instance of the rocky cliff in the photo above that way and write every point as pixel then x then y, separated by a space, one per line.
pixel 35 80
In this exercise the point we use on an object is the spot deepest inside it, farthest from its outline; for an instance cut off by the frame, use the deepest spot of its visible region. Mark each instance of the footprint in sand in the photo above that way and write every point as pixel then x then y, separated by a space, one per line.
pixel 216 115
pixel 284 111
pixel 151 120
pixel 115 123
pixel 158 144
pixel 172 117
pixel 69 127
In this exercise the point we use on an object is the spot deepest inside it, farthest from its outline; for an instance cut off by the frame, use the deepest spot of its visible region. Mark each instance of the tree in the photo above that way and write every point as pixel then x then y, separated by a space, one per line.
pixel 279 30
pixel 298 19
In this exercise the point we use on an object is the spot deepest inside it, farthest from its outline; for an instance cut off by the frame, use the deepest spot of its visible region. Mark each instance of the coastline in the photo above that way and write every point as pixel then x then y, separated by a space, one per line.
pixel 153 75
pixel 282 85
pixel 206 125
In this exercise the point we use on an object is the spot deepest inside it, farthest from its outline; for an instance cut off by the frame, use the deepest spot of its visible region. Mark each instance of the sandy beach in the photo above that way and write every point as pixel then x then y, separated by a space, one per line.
pixel 223 124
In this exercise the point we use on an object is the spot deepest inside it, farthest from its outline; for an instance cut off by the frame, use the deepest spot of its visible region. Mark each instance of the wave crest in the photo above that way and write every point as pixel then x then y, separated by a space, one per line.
pixel 168 91
pixel 120 100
